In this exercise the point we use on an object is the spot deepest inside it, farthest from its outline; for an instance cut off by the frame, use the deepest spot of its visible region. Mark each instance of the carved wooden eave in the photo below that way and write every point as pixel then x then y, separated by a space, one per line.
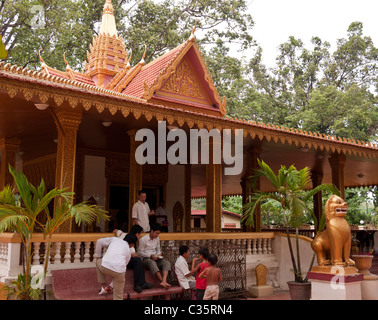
pixel 42 87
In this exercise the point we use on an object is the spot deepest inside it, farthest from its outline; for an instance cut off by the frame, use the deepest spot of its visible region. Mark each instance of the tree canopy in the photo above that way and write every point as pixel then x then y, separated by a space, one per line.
pixel 314 89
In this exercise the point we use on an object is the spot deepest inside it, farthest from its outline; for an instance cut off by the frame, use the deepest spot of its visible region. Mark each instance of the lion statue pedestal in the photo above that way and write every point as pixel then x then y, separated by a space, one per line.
pixel 335 277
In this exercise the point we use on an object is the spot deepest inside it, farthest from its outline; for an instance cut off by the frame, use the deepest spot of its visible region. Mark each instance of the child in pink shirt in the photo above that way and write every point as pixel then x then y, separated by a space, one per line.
pixel 201 282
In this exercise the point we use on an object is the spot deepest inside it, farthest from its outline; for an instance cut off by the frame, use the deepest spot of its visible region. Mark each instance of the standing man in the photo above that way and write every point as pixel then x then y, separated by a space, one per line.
pixel 141 212
pixel 149 250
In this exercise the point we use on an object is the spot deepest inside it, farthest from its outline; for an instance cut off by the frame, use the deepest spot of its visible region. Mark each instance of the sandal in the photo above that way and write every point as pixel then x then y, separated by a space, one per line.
pixel 105 290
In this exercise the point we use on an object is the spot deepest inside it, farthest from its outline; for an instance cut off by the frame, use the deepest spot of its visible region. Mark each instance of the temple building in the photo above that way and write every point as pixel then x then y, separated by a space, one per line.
pixel 77 131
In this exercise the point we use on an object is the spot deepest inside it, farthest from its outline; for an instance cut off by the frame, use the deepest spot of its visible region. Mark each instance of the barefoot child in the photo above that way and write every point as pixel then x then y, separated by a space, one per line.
pixel 213 276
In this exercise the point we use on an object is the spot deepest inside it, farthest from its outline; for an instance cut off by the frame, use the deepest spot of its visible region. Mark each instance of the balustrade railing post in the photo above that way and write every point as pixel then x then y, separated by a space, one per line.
pixel 87 255
pixel 249 246
pixel 77 251
pixel 254 246
pixel 259 246
pixel 264 246
pixel 36 257
pixel 57 256
pixel 67 256
pixel 269 246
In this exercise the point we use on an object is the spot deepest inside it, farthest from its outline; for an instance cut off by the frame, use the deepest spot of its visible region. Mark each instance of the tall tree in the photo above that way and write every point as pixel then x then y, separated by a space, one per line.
pixel 316 90
pixel 56 26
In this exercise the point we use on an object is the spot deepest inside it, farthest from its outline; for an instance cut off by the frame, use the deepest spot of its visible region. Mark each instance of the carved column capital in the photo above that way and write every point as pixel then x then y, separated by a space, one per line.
pixel 337 160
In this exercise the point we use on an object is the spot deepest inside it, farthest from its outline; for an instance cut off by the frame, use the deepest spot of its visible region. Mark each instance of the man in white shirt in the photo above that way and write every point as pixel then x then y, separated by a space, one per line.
pixel 149 250
pixel 135 262
pixel 114 262
pixel 141 212
pixel 184 276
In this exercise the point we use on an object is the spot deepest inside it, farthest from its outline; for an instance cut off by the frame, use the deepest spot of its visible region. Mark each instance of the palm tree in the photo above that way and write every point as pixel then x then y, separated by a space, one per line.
pixel 22 215
pixel 290 191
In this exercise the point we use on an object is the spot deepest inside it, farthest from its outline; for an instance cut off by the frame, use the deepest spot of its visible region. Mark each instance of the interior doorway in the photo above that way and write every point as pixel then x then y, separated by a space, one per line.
pixel 118 208
pixel 119 204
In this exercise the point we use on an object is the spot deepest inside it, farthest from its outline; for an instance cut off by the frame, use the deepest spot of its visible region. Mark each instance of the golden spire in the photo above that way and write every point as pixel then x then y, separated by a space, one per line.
pixel 107 53
pixel 108 25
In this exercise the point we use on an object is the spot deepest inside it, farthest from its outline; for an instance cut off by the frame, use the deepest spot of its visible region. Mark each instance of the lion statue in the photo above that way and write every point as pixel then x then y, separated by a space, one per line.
pixel 332 246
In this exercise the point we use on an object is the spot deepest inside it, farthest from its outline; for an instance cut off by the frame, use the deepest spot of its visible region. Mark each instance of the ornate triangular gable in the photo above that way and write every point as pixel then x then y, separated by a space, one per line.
pixel 185 82
pixel 184 86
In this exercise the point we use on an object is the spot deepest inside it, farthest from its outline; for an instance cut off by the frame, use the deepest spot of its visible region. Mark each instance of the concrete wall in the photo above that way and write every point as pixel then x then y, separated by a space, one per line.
pixel 282 254
pixel 230 219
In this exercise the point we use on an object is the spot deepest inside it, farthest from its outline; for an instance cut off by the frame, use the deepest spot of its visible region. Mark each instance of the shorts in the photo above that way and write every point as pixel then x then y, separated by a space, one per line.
pixel 211 292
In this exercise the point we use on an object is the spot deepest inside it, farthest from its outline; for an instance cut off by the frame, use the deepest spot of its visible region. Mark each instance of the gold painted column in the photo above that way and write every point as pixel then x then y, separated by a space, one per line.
pixel 317 178
pixel 67 124
pixel 9 149
pixel 188 198
pixel 135 177
pixel 337 162
pixel 213 194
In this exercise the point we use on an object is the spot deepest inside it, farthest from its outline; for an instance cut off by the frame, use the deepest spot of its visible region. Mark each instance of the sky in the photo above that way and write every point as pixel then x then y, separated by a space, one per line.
pixel 276 20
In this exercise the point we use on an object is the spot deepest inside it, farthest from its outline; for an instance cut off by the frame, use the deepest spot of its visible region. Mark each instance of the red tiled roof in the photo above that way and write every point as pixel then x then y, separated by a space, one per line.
pixel 55 72
pixel 73 75
pixel 120 85
pixel 150 72
pixel 83 78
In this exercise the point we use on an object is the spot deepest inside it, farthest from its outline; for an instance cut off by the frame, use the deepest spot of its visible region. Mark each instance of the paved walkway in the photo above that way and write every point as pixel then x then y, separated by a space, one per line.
pixel 280 295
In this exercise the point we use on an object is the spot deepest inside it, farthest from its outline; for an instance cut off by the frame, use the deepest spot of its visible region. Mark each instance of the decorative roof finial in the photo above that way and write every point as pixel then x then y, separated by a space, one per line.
pixel 144 55
pixel 44 66
pixel 66 62
pixel 191 38
pixel 128 60
pixel 40 58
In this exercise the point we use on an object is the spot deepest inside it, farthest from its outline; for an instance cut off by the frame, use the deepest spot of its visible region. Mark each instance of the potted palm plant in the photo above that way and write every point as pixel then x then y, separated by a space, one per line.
pixel 20 213
pixel 291 192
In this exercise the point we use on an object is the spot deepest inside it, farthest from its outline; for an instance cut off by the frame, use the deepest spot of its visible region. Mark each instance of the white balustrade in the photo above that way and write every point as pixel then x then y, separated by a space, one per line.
pixel 77 251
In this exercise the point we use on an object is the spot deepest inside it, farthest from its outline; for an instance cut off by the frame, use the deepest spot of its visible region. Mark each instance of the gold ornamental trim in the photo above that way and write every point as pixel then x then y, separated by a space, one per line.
pixel 46 88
